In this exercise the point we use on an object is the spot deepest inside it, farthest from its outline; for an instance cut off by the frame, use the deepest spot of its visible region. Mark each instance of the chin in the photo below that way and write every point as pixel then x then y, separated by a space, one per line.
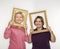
pixel 39 26
pixel 18 22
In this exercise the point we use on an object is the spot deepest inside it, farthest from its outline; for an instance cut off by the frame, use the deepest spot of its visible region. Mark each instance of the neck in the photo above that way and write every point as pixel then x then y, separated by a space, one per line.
pixel 39 28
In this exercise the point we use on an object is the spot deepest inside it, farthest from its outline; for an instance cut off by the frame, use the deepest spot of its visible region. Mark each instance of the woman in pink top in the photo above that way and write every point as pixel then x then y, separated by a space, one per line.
pixel 17 35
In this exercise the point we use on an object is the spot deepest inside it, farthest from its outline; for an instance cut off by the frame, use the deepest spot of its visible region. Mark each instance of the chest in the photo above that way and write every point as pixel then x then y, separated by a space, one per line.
pixel 17 32
pixel 41 36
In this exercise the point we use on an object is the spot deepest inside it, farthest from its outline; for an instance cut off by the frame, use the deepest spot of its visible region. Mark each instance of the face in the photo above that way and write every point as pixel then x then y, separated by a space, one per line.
pixel 38 23
pixel 18 18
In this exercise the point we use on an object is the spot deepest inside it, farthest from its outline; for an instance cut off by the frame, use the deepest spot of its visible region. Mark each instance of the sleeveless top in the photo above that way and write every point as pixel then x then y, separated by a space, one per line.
pixel 41 40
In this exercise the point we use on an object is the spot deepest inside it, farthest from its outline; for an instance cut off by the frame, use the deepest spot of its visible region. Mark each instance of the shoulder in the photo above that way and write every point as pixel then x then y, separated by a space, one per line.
pixel 42 29
pixel 35 29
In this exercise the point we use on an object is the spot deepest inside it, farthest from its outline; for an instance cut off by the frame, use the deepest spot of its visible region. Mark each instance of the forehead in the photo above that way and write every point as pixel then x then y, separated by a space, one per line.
pixel 20 15
pixel 38 19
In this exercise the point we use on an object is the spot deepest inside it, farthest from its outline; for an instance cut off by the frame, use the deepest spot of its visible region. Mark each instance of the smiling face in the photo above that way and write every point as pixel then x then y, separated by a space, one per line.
pixel 38 22
pixel 19 18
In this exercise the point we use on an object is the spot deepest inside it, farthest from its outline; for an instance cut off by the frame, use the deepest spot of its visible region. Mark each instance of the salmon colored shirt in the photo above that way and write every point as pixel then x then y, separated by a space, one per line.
pixel 17 37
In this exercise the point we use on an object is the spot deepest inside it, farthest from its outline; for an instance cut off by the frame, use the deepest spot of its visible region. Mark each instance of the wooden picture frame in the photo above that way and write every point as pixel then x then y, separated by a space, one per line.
pixel 37 13
pixel 25 13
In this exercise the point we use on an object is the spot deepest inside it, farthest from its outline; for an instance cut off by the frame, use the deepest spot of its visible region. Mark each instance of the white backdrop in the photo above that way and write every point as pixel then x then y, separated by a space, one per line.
pixel 53 14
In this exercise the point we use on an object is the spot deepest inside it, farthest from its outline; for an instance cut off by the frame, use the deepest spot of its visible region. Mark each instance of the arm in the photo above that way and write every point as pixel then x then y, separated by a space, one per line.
pixel 52 38
pixel 26 37
pixel 30 35
pixel 7 33
pixel 30 38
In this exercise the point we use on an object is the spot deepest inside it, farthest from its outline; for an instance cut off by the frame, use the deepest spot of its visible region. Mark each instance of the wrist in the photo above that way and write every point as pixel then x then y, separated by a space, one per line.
pixel 8 26
pixel 51 31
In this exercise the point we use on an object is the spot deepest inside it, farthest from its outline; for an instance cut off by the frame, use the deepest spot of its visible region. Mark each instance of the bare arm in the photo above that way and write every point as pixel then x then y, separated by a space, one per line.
pixel 53 38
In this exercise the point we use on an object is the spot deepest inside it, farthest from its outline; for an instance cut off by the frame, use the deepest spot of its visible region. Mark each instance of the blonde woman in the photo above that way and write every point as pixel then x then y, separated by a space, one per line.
pixel 17 35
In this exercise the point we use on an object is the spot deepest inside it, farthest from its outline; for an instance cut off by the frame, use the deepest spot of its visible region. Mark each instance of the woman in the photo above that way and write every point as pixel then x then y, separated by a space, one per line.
pixel 41 40
pixel 17 35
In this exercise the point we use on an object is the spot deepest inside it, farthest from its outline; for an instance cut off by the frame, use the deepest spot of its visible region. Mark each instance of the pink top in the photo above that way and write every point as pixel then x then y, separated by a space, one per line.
pixel 17 37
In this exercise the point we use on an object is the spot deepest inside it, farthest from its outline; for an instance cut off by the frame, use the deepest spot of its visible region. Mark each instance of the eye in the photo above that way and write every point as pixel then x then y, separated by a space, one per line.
pixel 39 21
pixel 20 17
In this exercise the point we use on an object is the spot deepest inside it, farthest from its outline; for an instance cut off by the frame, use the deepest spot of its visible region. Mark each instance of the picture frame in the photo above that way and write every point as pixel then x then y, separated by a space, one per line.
pixel 33 15
pixel 25 13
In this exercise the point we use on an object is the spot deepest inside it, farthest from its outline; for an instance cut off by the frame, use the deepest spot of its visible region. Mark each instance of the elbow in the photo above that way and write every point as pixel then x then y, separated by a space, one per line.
pixel 5 37
pixel 29 41
pixel 53 40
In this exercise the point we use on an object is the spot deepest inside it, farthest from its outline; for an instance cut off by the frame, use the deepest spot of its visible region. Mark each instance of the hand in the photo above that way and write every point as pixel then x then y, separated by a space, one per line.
pixel 25 27
pixel 10 23
pixel 49 28
pixel 31 30
pixel 53 38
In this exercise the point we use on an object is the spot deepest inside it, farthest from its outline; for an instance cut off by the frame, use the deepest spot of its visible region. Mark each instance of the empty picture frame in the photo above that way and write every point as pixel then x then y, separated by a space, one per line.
pixel 32 17
pixel 24 12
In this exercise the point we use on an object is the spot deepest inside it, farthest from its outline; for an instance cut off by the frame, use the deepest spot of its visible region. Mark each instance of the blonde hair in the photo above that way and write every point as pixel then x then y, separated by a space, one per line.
pixel 19 13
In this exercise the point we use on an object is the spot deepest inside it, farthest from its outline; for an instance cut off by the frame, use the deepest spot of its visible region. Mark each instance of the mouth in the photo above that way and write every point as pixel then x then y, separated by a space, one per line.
pixel 38 24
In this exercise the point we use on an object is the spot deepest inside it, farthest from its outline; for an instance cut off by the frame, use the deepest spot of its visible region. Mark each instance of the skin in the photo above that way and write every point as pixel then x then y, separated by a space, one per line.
pixel 38 24
pixel 18 18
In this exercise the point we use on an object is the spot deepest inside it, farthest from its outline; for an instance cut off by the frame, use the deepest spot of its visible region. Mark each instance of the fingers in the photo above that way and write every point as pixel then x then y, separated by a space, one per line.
pixel 10 23
pixel 25 27
pixel 49 28
pixel 31 30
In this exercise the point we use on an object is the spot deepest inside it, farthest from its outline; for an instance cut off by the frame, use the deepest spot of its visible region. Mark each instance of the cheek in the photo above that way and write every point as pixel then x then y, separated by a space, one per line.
pixel 35 23
pixel 16 19
pixel 38 23
pixel 21 19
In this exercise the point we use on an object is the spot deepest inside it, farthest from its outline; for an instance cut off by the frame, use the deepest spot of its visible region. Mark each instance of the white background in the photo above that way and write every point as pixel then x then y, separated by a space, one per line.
pixel 53 14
